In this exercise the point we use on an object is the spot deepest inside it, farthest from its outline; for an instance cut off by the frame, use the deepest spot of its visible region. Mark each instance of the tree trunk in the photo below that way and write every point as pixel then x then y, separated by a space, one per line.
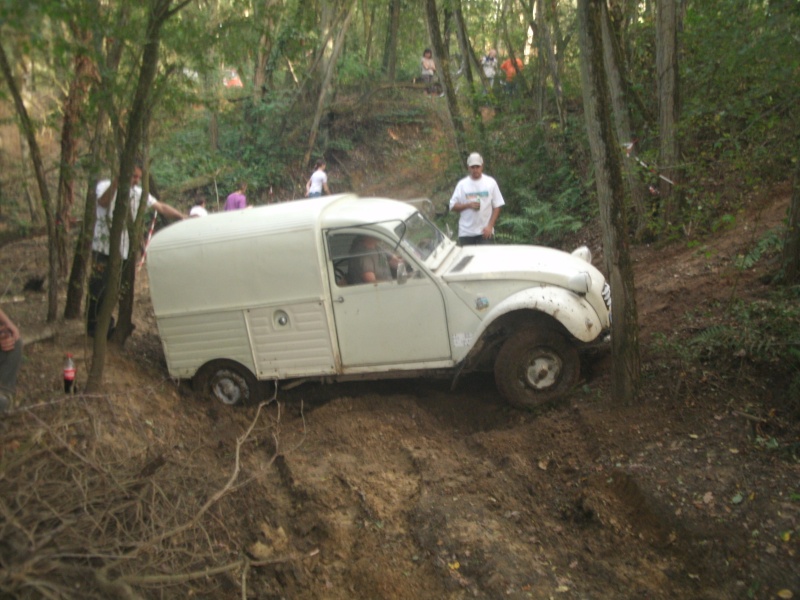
pixel 472 60
pixel 668 109
pixel 390 49
pixel 622 120
pixel 443 68
pixel 159 12
pixel 547 59
pixel 25 156
pixel 608 176
pixel 83 246
pixel 519 76
pixel 127 295
pixel 539 93
pixel 41 180
pixel 73 107
pixel 469 61
pixel 326 81
pixel 263 16
pixel 790 259
pixel 369 27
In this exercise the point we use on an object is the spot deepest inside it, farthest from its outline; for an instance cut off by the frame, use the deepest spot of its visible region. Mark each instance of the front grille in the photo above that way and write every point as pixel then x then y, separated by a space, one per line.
pixel 607 295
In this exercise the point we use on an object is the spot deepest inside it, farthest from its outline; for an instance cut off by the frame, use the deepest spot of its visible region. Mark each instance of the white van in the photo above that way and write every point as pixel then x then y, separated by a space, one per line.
pixel 272 294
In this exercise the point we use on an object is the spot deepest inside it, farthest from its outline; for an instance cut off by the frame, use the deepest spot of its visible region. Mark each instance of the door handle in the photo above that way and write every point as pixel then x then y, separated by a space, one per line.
pixel 340 299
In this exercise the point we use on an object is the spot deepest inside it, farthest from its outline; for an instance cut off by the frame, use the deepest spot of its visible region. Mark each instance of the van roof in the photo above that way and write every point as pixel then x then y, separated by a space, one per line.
pixel 341 210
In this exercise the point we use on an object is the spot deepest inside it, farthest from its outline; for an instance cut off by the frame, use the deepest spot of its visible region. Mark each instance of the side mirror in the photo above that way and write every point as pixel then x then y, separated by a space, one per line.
pixel 402 273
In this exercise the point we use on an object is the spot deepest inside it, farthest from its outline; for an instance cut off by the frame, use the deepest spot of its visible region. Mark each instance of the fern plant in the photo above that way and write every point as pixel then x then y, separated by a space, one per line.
pixel 770 244
pixel 540 222
pixel 537 223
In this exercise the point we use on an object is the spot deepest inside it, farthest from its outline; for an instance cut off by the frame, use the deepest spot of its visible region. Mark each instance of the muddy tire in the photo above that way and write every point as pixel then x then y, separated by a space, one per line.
pixel 227 382
pixel 536 366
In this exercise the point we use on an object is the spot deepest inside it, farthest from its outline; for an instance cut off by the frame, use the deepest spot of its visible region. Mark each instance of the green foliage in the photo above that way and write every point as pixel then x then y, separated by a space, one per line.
pixel 770 244
pixel 352 71
pixel 545 197
pixel 758 339
pixel 764 334
pixel 246 152
pixel 724 222
pixel 739 71
pixel 538 222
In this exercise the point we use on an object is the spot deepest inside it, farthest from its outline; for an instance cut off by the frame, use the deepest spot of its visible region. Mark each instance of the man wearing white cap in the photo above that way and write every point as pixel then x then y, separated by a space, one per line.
pixel 477 199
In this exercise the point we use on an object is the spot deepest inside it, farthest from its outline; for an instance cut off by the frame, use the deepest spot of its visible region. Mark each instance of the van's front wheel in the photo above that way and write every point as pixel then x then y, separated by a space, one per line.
pixel 536 366
pixel 226 381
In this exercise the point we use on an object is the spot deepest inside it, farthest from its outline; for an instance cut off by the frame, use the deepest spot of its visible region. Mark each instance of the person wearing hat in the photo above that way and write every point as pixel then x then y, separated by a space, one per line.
pixel 477 200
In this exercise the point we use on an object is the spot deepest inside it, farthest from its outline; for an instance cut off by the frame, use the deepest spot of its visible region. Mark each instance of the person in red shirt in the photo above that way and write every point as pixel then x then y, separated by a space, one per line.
pixel 511 71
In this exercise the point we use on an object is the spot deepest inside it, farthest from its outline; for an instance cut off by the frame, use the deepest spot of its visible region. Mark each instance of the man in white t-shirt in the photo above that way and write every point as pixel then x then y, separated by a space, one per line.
pixel 318 182
pixel 477 199
pixel 106 197
pixel 199 208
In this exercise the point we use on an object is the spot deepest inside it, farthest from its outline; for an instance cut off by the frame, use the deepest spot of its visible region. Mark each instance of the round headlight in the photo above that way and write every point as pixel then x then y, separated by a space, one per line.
pixel 580 283
pixel 583 253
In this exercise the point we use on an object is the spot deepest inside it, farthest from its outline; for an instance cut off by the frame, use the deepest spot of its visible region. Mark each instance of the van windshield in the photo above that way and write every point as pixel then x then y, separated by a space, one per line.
pixel 419 235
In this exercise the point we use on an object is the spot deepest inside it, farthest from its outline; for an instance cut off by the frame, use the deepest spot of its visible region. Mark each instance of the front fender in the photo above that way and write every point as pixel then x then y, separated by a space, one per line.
pixel 572 311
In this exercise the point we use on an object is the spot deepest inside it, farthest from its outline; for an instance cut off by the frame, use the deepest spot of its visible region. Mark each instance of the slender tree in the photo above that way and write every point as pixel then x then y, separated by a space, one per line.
pixel 440 56
pixel 668 109
pixel 539 21
pixel 469 63
pixel 390 48
pixel 622 120
pixel 264 16
pixel 110 62
pixel 41 179
pixel 790 258
pixel 327 78
pixel 84 73
pixel 608 178
pixel 159 11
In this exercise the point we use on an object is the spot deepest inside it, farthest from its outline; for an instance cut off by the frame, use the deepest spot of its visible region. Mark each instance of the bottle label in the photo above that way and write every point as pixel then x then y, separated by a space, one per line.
pixel 69 374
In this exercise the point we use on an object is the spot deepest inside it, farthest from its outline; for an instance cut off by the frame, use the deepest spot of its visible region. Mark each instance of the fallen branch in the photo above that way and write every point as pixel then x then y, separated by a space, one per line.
pixel 744 415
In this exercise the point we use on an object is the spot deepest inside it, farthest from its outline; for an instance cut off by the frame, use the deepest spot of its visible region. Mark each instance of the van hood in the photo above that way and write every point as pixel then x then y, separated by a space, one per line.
pixel 527 263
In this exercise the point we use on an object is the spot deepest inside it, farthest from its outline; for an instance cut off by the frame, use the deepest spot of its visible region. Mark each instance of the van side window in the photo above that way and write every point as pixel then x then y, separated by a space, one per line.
pixel 339 251
pixel 361 258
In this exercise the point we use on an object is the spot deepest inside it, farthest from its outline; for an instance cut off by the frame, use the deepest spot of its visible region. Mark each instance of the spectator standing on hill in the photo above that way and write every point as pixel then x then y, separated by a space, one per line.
pixel 489 64
pixel 428 70
pixel 237 200
pixel 199 208
pixel 10 359
pixel 106 199
pixel 318 182
pixel 511 68
pixel 478 200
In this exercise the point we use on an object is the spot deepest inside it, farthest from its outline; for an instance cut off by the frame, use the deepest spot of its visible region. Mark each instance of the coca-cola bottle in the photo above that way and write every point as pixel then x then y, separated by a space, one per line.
pixel 69 374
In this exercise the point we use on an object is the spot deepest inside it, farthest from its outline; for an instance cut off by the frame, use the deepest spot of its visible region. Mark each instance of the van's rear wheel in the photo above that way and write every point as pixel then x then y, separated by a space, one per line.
pixel 536 366
pixel 227 382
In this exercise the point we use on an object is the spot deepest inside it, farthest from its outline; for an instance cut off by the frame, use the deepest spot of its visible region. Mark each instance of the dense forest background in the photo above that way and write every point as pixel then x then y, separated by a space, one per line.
pixel 701 100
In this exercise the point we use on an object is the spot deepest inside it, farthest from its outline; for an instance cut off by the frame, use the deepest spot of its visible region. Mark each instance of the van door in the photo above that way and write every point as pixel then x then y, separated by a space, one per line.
pixel 386 322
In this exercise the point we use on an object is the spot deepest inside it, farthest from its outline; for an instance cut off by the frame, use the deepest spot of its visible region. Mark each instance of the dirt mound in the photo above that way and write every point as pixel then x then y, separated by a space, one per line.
pixel 400 489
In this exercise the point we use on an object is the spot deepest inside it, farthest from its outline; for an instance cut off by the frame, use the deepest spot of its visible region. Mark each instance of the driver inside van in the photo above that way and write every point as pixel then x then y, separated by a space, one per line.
pixel 369 262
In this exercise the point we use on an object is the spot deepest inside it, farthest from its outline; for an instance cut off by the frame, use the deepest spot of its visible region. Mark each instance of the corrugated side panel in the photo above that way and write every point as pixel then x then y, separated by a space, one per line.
pixel 191 341
pixel 302 346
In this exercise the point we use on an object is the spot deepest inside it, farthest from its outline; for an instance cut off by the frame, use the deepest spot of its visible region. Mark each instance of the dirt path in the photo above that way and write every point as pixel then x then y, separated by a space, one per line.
pixel 405 489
